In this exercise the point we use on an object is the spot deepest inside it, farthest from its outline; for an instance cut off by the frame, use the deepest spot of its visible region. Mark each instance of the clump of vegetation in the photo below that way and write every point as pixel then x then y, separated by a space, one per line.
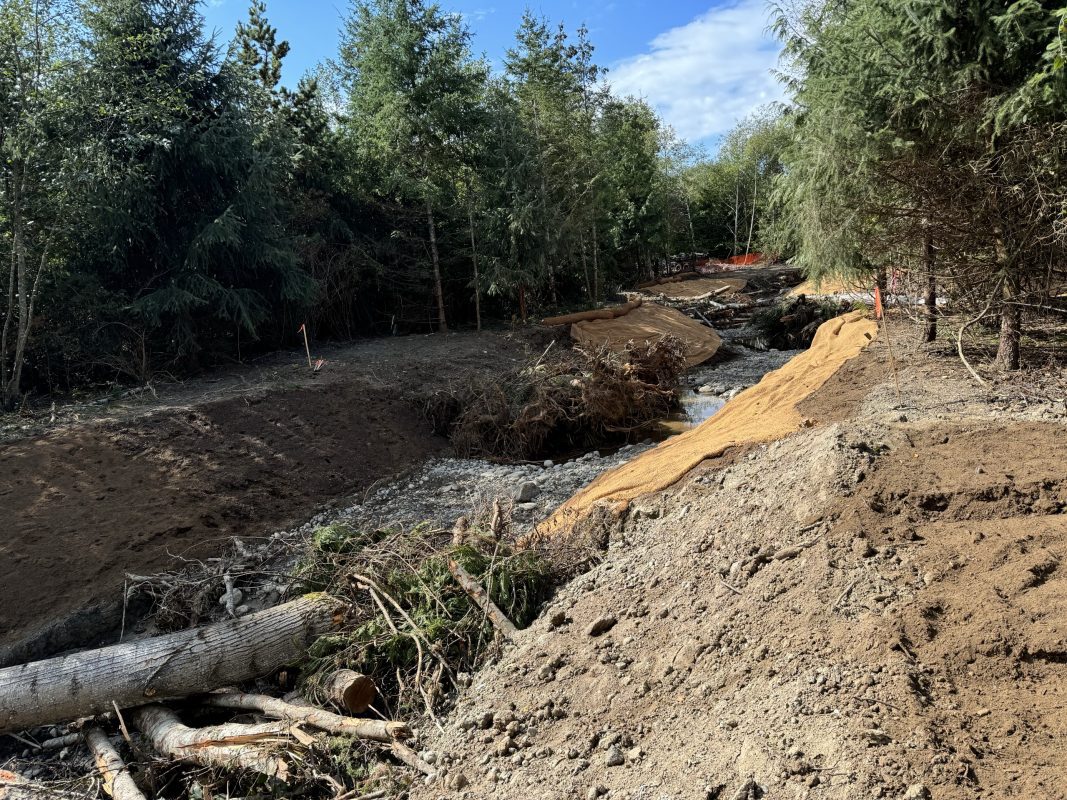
pixel 563 401
pixel 792 325
pixel 411 626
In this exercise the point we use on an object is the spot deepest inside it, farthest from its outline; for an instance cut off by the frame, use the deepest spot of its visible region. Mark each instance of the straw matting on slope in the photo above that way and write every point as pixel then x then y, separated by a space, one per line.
pixel 763 413
pixel 649 322
pixel 828 286
pixel 698 287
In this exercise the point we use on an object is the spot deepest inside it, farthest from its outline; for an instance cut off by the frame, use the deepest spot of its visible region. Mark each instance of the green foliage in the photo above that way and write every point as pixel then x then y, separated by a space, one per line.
pixel 260 49
pixel 730 196
pixel 409 571
pixel 177 205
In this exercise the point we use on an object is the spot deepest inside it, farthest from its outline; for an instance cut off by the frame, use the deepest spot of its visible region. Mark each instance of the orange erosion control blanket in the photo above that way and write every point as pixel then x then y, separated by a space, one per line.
pixel 763 413
pixel 648 322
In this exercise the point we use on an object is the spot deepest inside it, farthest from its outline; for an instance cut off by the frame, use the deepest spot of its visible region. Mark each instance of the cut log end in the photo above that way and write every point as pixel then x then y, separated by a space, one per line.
pixel 351 691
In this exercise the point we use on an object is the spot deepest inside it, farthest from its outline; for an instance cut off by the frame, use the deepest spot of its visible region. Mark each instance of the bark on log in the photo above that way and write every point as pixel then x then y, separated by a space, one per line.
pixel 175 665
pixel 118 783
pixel 376 730
pixel 228 746
pixel 351 691
pixel 580 316
pixel 481 597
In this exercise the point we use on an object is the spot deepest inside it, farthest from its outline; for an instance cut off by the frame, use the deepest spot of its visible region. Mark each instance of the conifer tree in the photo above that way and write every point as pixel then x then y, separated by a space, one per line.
pixel 414 88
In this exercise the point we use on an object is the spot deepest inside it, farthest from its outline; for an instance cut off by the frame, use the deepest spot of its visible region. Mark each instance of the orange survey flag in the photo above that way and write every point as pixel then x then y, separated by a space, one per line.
pixel 877 302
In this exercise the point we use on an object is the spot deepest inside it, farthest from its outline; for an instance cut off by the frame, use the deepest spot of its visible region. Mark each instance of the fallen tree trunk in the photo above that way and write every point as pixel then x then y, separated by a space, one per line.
pixel 228 746
pixel 175 665
pixel 118 783
pixel 376 730
pixel 681 276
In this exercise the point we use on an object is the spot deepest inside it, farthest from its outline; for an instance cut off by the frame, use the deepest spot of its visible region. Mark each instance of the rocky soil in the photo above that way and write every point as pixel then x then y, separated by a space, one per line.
pixel 871 608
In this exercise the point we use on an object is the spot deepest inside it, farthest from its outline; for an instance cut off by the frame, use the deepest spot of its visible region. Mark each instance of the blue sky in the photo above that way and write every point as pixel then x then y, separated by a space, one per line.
pixel 703 65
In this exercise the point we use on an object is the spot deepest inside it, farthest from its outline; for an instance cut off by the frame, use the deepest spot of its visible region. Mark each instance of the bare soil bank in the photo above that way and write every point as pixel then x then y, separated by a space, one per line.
pixel 241 454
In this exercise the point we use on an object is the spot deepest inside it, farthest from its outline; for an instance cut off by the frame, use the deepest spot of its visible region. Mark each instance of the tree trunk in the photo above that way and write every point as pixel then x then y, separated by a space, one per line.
pixel 752 218
pixel 882 281
pixel 227 746
pixel 477 279
pixel 118 783
pixel 737 210
pixel 692 232
pixel 522 303
pixel 9 316
pixel 930 300
pixel 438 291
pixel 351 691
pixel 1010 328
pixel 585 268
pixel 15 316
pixel 374 729
pixel 175 665
pixel 596 270
pixel 1010 316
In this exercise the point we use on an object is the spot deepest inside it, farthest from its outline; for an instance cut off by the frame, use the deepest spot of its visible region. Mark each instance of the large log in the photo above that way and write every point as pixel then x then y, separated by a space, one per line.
pixel 600 313
pixel 170 666
pixel 377 730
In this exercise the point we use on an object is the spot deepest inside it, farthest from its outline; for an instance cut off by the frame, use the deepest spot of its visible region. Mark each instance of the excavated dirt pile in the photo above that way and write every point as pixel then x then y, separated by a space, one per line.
pixel 872 607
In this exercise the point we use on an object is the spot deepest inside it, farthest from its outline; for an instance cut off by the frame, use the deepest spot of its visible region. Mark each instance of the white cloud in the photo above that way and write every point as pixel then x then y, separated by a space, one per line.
pixel 704 76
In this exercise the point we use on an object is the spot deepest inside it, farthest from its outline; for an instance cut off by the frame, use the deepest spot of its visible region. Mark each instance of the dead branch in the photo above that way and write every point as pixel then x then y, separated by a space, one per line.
pixel 376 730
pixel 15 787
pixel 478 594
pixel 228 746
pixel 411 758
pixel 118 782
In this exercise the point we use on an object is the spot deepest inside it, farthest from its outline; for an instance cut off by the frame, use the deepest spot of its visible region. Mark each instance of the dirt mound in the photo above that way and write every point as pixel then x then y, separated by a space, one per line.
pixel 762 413
pixel 890 621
